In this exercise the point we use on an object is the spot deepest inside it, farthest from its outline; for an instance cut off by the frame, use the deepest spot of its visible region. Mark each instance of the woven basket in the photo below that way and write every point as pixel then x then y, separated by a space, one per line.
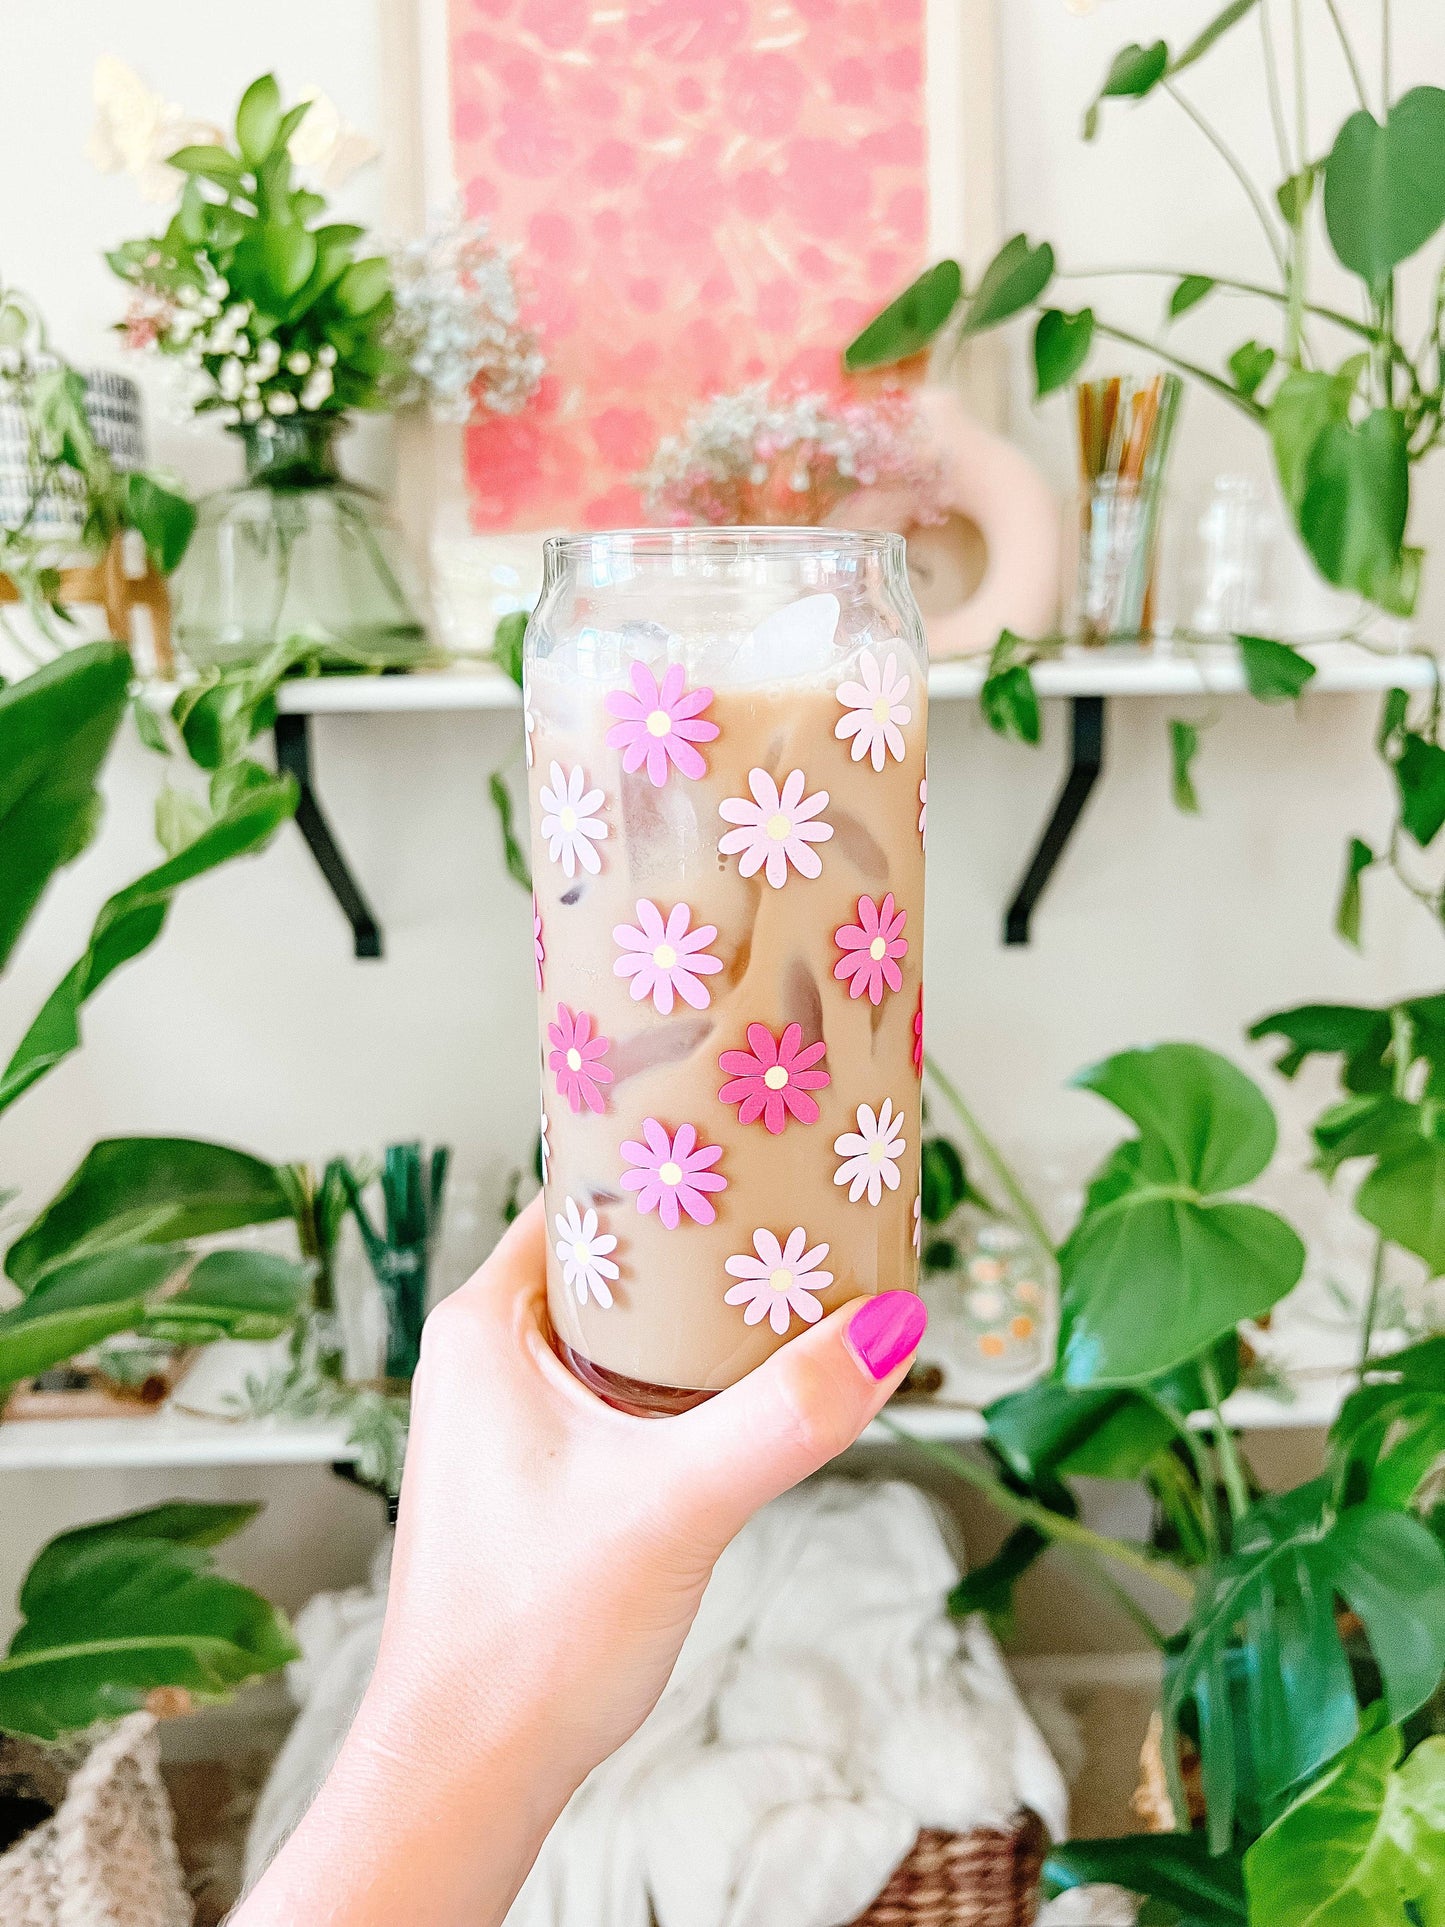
pixel 986 1878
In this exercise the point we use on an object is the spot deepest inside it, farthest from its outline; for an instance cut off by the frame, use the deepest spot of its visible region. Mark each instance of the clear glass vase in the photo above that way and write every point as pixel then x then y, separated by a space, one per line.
pixel 296 553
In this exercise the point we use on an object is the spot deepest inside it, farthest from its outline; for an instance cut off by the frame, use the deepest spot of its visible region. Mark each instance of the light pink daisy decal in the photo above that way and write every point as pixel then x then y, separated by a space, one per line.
pixel 870 1154
pixel 918 1034
pixel 660 724
pixel 918 1222
pixel 672 1174
pixel 871 949
pixel 776 828
pixel 570 822
pixel 539 948
pixel 875 707
pixel 773 1077
pixel 923 805
pixel 666 958
pixel 780 1281
pixel 576 1057
pixel 544 1147
pixel 582 1253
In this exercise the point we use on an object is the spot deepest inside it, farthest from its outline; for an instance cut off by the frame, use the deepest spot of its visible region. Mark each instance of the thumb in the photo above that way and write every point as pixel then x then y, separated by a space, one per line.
pixel 800 1408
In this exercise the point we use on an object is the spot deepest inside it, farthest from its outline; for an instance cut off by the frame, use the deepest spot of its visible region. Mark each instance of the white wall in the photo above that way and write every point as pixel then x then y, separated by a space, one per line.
pixel 251 1021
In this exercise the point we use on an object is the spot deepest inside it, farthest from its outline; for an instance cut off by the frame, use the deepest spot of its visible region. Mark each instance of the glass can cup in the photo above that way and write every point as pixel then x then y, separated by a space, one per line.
pixel 726 738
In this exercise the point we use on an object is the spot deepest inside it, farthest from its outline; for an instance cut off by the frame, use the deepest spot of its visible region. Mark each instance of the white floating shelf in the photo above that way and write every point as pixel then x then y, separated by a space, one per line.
pixel 1343 668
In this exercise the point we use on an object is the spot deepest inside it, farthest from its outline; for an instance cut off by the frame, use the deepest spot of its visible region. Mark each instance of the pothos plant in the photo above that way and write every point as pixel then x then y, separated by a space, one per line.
pixel 1302 1703
pixel 1348 405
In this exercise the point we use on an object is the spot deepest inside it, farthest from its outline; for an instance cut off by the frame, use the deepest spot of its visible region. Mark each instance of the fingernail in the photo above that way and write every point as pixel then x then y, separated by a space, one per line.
pixel 882 1333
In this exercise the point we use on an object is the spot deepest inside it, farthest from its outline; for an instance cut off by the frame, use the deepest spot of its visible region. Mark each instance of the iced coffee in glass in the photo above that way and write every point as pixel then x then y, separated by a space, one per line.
pixel 726 734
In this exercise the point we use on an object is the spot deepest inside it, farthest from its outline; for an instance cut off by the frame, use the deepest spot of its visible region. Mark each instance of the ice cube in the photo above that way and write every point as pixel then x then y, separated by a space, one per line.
pixel 859 845
pixel 658 1044
pixel 801 1002
pixel 793 641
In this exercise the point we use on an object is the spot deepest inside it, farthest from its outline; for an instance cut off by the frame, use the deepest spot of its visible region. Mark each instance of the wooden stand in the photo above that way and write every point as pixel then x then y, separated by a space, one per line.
pixel 109 585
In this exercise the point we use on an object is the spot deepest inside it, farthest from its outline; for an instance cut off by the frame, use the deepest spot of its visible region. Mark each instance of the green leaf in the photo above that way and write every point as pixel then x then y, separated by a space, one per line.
pixel 910 322
pixel 1404 1197
pixel 165 520
pixel 148 726
pixel 288 253
pixel 1420 778
pixel 1361 1035
pixel 1274 672
pixel 1292 197
pixel 146 1190
pixel 1305 405
pixel 1173 1867
pixel 129 922
pixel 290 121
pixel 513 855
pixel 989 1588
pixel 1183 748
pixel 1162 1262
pixel 1250 365
pixel 1008 700
pixel 235 1294
pixel 507 640
pixel 944 1183
pixel 1363 1127
pixel 1133 72
pixel 1051 1430
pixel 125 1616
pixel 1357 502
pixel 258 119
pixel 56 728
pixel 1205 39
pixel 1385 186
pixel 1358 858
pixel 1360 1844
pixel 212 163
pixel 233 782
pixel 1061 347
pixel 364 286
pixel 1189 292
pixel 181 1522
pixel 1391 1432
pixel 1012 281
pixel 1389 1569
pixel 179 819
pixel 78 1305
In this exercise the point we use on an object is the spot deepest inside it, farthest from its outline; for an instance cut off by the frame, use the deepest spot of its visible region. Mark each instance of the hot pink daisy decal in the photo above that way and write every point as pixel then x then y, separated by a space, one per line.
pixel 576 1057
pixel 874 709
pixel 918 1034
pixel 663 958
pixel 772 1078
pixel 537 945
pixel 780 1281
pixel 776 828
pixel 660 723
pixel 672 1174
pixel 871 948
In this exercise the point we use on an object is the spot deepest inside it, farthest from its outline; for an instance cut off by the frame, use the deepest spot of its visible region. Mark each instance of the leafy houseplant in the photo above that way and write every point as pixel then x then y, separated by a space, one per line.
pixel 1348 406
pixel 1303 1693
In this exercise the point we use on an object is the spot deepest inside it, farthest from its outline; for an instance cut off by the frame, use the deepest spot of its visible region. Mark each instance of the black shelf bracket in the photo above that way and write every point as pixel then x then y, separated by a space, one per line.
pixel 293 755
pixel 1086 760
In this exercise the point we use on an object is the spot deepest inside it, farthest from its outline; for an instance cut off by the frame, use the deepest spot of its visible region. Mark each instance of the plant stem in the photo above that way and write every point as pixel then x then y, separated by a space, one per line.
pixel 1271 78
pixel 1348 321
pixel 1384 59
pixel 1299 231
pixel 1053 1525
pixel 1354 66
pixel 1202 375
pixel 1372 1307
pixel 1026 1210
pixel 1228 1453
pixel 1236 167
pixel 1095 1574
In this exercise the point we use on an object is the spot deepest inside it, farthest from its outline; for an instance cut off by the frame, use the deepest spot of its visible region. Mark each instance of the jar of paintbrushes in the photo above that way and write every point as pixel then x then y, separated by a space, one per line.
pixel 1125 431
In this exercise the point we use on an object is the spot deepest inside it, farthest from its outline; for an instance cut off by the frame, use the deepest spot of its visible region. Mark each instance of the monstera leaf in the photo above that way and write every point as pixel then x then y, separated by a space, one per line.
pixel 1164 1261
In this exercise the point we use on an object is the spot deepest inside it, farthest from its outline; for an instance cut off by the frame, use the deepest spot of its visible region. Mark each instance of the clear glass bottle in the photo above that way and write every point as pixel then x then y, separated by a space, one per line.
pixel 727 732
pixel 296 552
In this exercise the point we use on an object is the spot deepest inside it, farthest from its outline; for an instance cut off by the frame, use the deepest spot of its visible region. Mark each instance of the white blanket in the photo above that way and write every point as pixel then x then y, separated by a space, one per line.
pixel 823 1709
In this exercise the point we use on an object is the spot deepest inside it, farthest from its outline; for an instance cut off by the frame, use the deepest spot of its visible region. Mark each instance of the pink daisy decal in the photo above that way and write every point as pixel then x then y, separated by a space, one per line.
pixel 874 709
pixel 538 946
pixel 918 1034
pixel 672 1174
pixel 772 1078
pixel 666 958
pixel 780 1281
pixel 776 828
pixel 871 948
pixel 660 723
pixel 576 1057
pixel 570 823
pixel 923 805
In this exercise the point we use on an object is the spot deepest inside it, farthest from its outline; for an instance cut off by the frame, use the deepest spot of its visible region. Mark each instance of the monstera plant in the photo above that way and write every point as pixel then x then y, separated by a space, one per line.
pixel 1302 1633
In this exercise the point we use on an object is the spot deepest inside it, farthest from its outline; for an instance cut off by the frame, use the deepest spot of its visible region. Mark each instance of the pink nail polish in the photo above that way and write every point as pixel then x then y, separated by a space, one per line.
pixel 882 1333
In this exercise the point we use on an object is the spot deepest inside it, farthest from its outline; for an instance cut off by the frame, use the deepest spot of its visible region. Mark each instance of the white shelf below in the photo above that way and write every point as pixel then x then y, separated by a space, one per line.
pixel 1343 668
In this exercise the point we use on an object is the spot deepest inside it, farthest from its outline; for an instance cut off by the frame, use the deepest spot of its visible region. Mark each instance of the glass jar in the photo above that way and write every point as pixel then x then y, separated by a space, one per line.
pixel 297 553
pixel 726 731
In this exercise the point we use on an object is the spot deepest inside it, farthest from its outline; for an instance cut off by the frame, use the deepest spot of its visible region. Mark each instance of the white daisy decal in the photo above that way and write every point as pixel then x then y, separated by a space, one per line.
pixel 545 1147
pixel 875 708
pixel 570 822
pixel 780 1281
pixel 776 828
pixel 923 805
pixel 529 721
pixel 870 1154
pixel 918 1222
pixel 582 1253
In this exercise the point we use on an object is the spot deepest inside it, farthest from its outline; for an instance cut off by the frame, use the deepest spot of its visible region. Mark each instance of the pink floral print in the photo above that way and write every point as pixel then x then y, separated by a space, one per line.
pixel 672 1174
pixel 776 829
pixel 582 1250
pixel 780 1282
pixel 538 947
pixel 923 805
pixel 874 708
pixel 666 958
pixel 773 1078
pixel 918 1034
pixel 871 949
pixel 576 1058
pixel 570 822
pixel 869 1156
pixel 660 724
